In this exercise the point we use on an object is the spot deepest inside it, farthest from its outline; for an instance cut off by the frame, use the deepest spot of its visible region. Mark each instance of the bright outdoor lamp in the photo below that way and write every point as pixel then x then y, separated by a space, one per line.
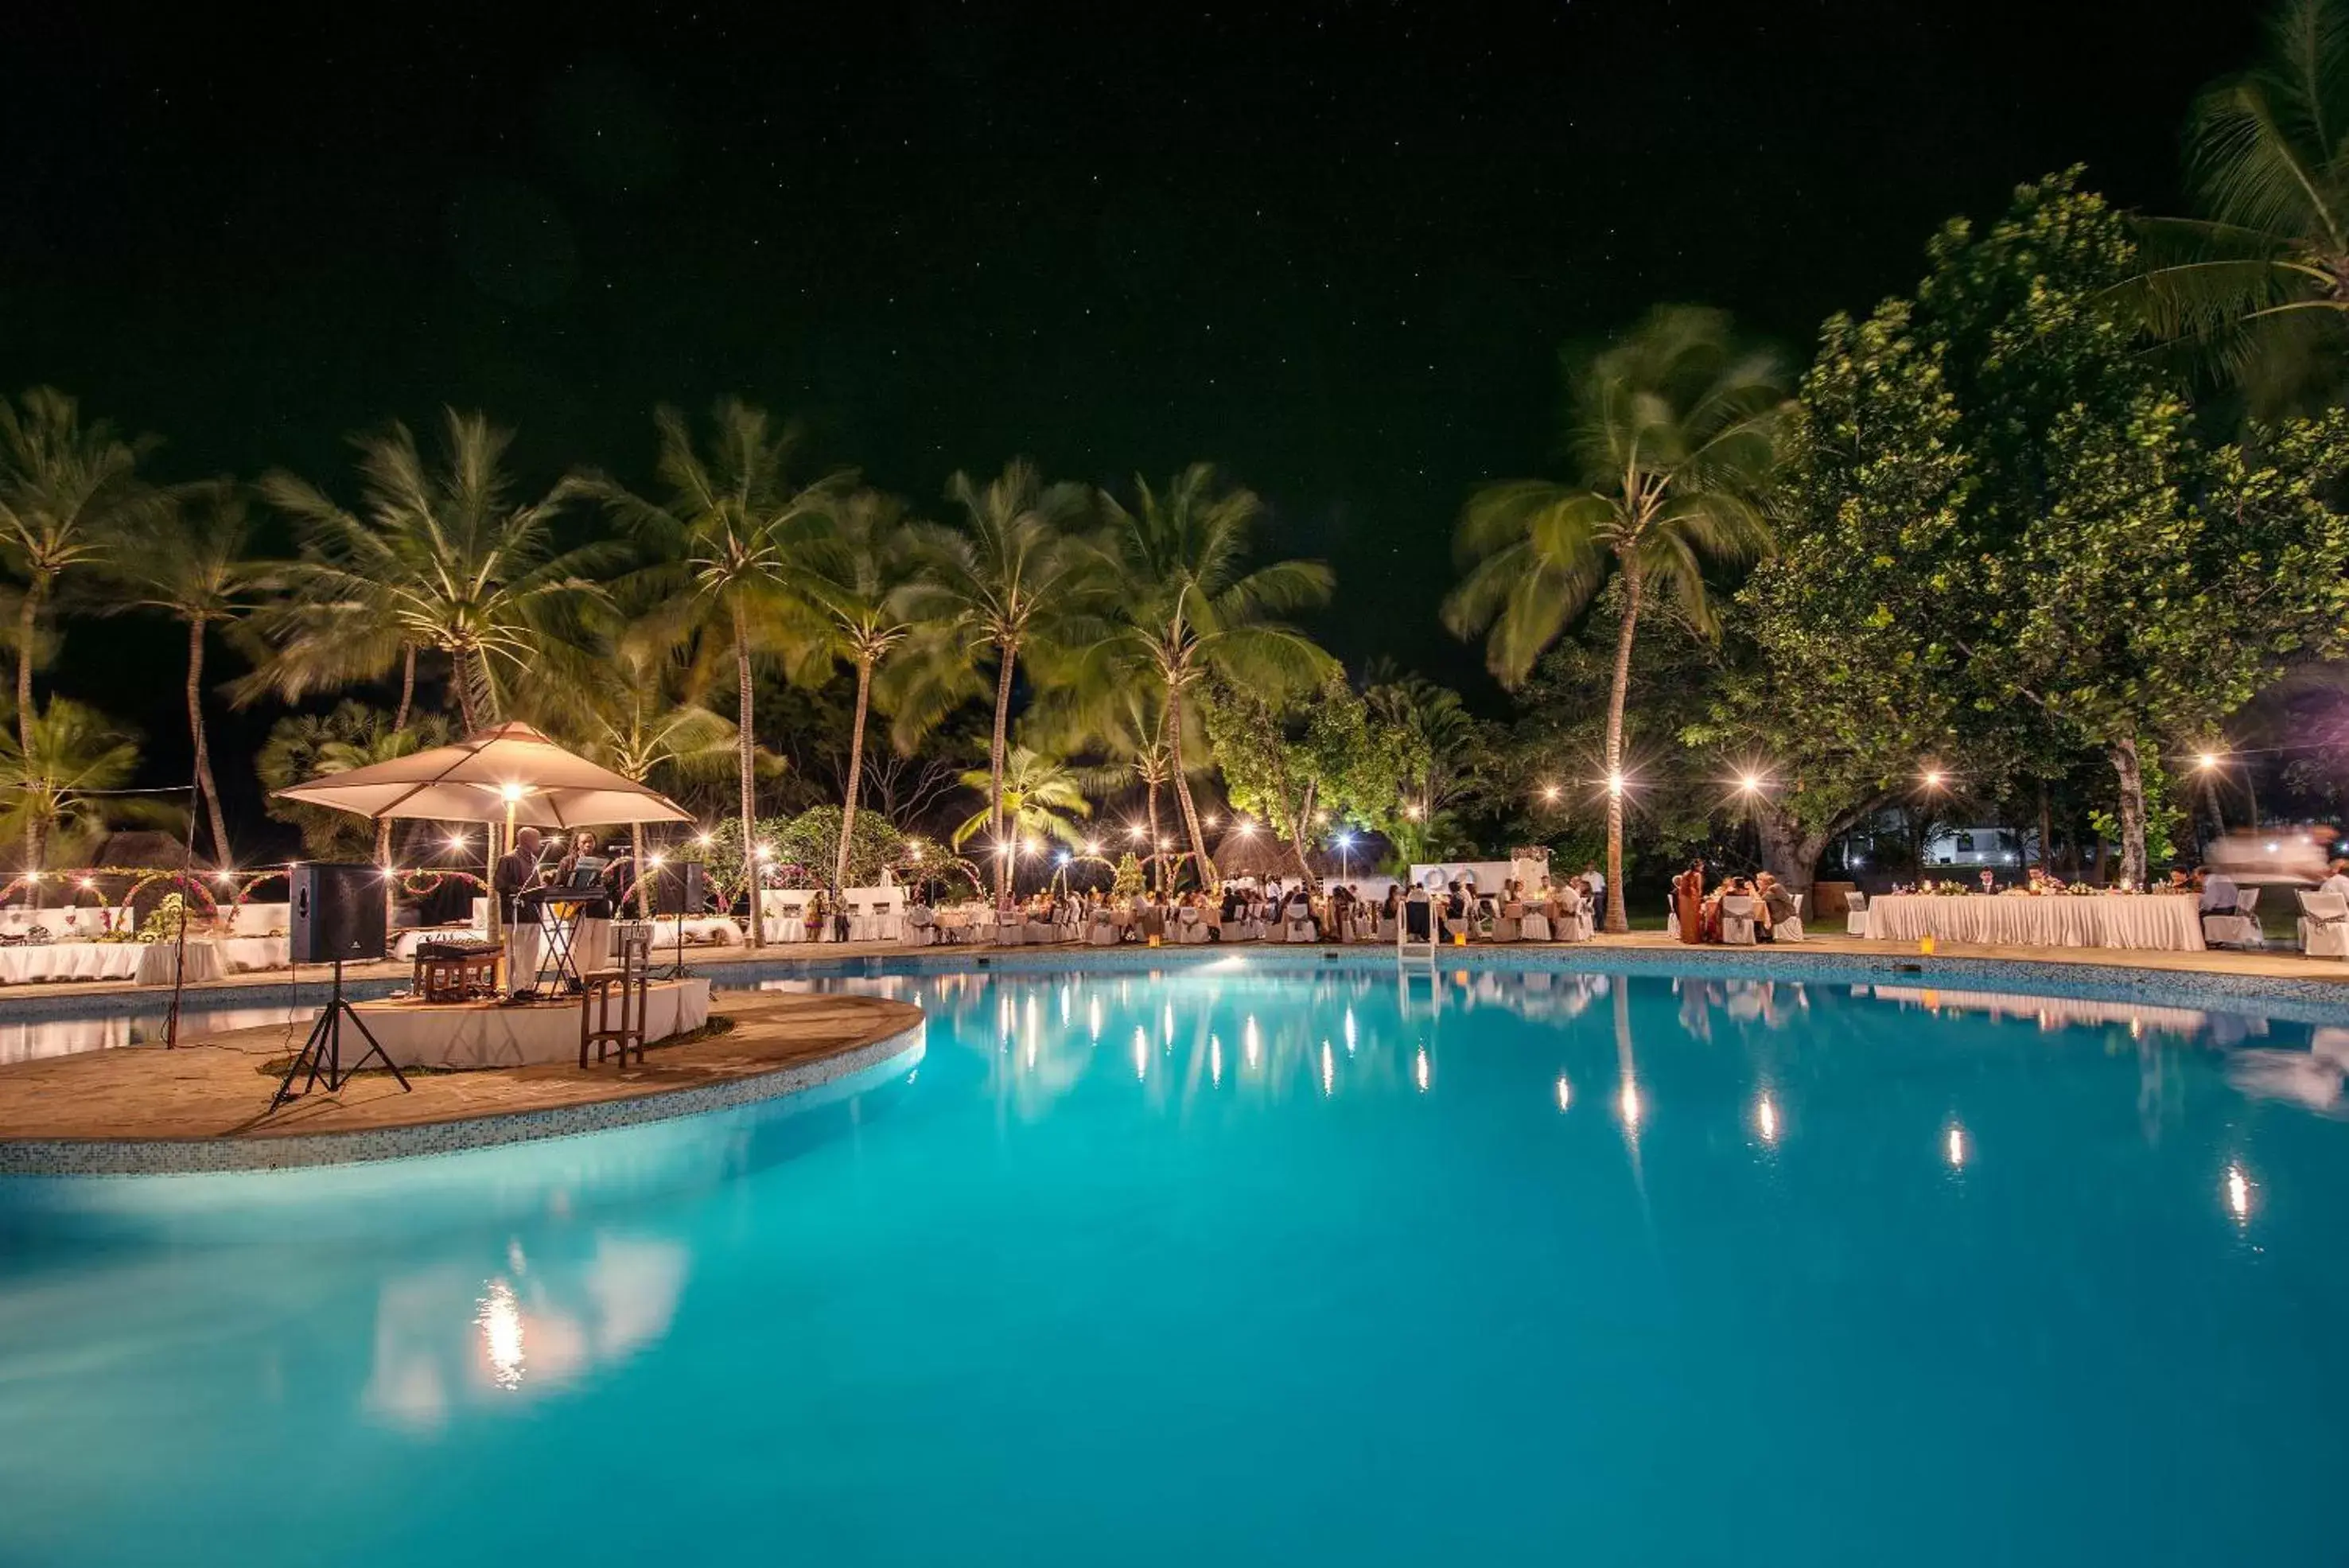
pixel 510 793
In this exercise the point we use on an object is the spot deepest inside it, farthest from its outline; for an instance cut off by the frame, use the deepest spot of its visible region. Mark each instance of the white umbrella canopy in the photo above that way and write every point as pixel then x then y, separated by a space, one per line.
pixel 477 778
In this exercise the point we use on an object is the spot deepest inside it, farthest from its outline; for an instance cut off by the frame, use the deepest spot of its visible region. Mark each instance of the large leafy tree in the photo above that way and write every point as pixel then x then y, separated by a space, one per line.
pixel 193 564
pixel 1189 605
pixel 2261 277
pixel 438 556
pixel 1671 436
pixel 2002 545
pixel 1012 582
pixel 860 575
pixel 67 493
pixel 1293 759
pixel 728 541
pixel 1844 677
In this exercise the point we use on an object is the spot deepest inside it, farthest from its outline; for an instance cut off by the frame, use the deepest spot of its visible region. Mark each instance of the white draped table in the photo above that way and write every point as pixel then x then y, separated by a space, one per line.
pixel 146 964
pixel 2167 920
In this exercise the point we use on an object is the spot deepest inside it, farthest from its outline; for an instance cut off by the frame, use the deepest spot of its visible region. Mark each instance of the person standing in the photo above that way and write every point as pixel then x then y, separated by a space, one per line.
pixel 516 874
pixel 1688 900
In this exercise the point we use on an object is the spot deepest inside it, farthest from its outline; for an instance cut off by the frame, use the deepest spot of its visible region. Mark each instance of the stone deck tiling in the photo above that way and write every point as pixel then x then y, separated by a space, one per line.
pixel 219 1087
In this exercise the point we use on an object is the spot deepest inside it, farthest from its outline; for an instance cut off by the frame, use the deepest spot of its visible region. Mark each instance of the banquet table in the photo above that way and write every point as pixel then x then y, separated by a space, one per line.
pixel 2165 921
pixel 144 963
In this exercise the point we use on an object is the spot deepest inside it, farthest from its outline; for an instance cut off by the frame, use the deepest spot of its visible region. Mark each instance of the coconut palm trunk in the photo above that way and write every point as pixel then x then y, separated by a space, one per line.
pixel 1007 653
pixel 746 743
pixel 636 864
pixel 1617 919
pixel 1205 867
pixel 1157 860
pixel 855 770
pixel 29 615
pixel 204 754
pixel 463 678
pixel 407 687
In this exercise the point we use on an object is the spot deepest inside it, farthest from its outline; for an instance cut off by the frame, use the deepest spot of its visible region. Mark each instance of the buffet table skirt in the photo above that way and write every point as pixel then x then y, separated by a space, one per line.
pixel 145 964
pixel 2166 920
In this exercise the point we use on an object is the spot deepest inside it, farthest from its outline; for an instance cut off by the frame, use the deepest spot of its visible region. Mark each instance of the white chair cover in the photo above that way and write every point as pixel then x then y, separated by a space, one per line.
pixel 1854 920
pixel 2324 925
pixel 1737 920
pixel 1534 926
pixel 1103 933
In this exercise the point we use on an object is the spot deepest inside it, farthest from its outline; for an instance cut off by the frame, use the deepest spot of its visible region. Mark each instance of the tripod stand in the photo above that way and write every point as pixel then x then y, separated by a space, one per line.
pixel 323 1051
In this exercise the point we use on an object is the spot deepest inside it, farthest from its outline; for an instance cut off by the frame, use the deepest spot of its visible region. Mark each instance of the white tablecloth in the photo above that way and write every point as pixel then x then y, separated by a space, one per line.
pixel 2168 920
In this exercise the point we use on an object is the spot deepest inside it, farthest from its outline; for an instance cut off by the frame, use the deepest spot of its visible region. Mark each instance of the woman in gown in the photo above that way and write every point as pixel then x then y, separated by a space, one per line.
pixel 1687 899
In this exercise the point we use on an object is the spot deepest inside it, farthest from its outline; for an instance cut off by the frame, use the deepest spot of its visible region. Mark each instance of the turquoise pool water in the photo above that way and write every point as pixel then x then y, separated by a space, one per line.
pixel 1240 1266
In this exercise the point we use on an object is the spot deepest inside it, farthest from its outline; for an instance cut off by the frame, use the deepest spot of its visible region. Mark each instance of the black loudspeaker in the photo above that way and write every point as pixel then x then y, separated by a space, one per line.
pixel 677 888
pixel 338 913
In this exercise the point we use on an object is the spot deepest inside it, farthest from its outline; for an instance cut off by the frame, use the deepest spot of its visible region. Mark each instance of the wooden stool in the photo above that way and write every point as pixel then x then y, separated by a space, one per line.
pixel 629 981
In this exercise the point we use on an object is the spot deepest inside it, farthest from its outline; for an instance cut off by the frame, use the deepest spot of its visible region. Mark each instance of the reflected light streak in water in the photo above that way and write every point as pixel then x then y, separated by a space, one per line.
pixel 1421 1070
pixel 1349 1032
pixel 1215 1059
pixel 1251 1043
pixel 1765 1119
pixel 1629 1104
pixel 500 1316
pixel 1329 1069
pixel 1092 1018
pixel 1953 1146
pixel 1065 1007
pixel 1565 1093
pixel 1166 1025
pixel 2239 1193
pixel 1141 1051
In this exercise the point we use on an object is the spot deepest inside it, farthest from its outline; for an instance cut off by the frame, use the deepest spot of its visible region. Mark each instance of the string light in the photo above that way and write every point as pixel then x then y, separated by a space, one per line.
pixel 2206 762
pixel 1246 829
pixel 1412 810
pixel 1933 778
pixel 1748 783
pixel 1550 792
pixel 1614 783
pixel 1092 847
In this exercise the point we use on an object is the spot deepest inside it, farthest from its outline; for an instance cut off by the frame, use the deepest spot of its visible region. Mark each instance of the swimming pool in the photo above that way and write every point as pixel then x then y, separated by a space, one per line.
pixel 1258 1263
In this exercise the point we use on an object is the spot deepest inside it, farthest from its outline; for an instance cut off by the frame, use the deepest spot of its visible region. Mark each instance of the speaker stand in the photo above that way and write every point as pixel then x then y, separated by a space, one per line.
pixel 322 1053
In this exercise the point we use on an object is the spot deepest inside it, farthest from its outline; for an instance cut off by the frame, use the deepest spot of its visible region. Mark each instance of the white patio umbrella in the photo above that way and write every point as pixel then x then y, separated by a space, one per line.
pixel 508 772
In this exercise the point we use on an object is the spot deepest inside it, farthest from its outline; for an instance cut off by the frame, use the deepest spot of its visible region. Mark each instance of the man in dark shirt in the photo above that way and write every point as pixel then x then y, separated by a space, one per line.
pixel 516 872
pixel 1777 904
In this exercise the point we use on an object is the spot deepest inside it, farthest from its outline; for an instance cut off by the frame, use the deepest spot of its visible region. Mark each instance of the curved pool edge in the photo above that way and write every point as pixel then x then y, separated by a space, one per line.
pixel 879 1058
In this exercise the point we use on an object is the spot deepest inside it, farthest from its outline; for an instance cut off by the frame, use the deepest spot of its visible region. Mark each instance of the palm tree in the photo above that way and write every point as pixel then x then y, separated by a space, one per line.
pixel 296 753
pixel 1672 434
pixel 192 565
pixel 727 541
pixel 54 790
pixel 859 576
pixel 1036 795
pixel 67 489
pixel 1008 585
pixel 1188 607
pixel 436 558
pixel 639 719
pixel 2262 276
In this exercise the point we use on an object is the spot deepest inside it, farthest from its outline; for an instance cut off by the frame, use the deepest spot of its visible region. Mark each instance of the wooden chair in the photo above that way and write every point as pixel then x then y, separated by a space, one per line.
pixel 629 981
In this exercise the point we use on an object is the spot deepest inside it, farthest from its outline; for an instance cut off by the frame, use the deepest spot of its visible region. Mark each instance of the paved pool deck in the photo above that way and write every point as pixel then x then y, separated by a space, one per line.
pixel 147 1110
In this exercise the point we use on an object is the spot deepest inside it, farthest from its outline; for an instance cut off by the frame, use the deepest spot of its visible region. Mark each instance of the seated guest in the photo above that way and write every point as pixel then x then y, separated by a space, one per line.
pixel 2218 892
pixel 1778 905
pixel 2338 882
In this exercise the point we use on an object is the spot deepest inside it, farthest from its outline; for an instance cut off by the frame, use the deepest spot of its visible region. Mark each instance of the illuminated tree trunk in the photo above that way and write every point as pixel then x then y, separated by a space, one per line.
pixel 1617 920
pixel 29 615
pixel 1007 654
pixel 745 744
pixel 2132 783
pixel 407 687
pixel 855 768
pixel 204 754
pixel 1205 867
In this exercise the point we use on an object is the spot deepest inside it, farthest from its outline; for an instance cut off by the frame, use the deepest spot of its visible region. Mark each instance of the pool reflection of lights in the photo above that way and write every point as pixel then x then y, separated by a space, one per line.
pixel 1329 1069
pixel 500 1317
pixel 1953 1146
pixel 1632 1108
pixel 2238 1192
pixel 1251 1043
pixel 1565 1093
pixel 1141 1051
pixel 1765 1119
pixel 1421 1070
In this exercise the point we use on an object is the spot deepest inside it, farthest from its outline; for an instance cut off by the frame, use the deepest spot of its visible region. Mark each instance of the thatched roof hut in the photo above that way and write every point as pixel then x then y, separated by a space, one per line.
pixel 1261 853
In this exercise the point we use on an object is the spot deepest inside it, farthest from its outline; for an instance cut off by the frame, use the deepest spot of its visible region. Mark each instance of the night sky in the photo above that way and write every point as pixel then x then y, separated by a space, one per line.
pixel 1333 248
